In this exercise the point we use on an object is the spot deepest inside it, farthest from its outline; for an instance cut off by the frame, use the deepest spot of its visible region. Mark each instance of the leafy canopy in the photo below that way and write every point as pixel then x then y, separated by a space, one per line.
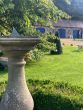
pixel 23 14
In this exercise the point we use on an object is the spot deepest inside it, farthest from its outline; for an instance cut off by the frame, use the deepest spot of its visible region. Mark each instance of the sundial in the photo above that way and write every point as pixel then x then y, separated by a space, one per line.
pixel 17 95
pixel 14 33
pixel 72 7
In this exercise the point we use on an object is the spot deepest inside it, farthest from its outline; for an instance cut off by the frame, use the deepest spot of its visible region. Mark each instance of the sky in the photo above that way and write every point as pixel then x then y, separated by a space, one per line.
pixel 72 7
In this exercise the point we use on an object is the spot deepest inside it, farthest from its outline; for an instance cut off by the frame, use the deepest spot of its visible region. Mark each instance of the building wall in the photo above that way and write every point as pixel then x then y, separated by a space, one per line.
pixel 63 32
pixel 47 29
pixel 70 33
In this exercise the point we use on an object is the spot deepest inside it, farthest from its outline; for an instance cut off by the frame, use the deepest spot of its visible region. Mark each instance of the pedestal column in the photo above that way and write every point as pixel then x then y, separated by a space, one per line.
pixel 17 95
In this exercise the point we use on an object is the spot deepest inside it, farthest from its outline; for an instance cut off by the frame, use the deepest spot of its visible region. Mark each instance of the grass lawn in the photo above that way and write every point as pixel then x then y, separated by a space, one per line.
pixel 56 81
pixel 67 67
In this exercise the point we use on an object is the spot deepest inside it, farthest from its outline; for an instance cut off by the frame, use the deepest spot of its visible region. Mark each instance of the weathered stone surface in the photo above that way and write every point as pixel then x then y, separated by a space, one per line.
pixel 15 34
pixel 17 95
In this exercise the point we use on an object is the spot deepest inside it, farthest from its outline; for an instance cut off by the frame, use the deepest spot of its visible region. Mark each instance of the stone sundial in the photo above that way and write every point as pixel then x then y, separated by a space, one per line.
pixel 72 7
pixel 17 95
pixel 14 33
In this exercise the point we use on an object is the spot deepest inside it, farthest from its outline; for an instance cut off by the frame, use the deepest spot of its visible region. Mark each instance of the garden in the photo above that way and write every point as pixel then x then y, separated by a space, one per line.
pixel 55 81
pixel 54 72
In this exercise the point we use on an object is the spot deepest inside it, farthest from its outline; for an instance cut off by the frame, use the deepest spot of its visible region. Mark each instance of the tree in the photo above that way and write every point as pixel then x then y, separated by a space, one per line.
pixel 5 6
pixel 22 14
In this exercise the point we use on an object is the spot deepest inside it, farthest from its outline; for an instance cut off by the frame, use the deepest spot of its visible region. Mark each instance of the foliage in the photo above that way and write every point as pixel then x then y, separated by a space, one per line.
pixel 49 95
pixel 30 32
pixel 45 45
pixel 23 14
pixel 56 41
pixel 1 53
pixel 5 7
pixel 34 55
pixel 2 67
pixel 50 42
pixel 49 82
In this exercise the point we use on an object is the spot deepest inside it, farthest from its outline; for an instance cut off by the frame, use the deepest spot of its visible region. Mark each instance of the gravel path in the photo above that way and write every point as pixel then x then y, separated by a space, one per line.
pixel 72 42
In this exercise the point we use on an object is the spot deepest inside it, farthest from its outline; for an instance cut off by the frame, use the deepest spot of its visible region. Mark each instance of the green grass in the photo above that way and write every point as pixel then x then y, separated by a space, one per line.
pixel 67 67
pixel 56 81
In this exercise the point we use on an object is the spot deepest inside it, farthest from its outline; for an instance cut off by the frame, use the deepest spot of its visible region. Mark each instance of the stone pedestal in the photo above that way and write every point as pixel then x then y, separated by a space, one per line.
pixel 17 95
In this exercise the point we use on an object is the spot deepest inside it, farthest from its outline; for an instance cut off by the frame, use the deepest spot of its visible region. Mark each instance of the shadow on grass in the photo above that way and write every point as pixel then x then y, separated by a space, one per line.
pixel 46 100
pixel 53 102
pixel 78 50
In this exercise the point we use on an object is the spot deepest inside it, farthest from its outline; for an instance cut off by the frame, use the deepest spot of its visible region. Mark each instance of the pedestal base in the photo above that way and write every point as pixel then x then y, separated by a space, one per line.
pixel 13 100
pixel 17 95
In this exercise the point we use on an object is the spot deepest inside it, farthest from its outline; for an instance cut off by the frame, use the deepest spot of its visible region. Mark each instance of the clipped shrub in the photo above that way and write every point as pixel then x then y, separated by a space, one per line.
pixel 50 95
pixel 56 41
pixel 1 53
pixel 71 44
pixel 58 46
pixel 2 67
pixel 44 101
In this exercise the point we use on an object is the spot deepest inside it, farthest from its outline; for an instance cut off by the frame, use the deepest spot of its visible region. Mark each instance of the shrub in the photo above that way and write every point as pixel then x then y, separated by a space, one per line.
pixel 58 46
pixel 34 55
pixel 2 67
pixel 50 95
pixel 46 45
pixel 49 42
pixel 56 40
pixel 1 53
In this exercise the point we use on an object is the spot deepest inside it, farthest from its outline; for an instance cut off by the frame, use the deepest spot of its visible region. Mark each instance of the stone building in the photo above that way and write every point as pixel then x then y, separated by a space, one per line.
pixel 66 28
pixel 69 28
pixel 44 29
